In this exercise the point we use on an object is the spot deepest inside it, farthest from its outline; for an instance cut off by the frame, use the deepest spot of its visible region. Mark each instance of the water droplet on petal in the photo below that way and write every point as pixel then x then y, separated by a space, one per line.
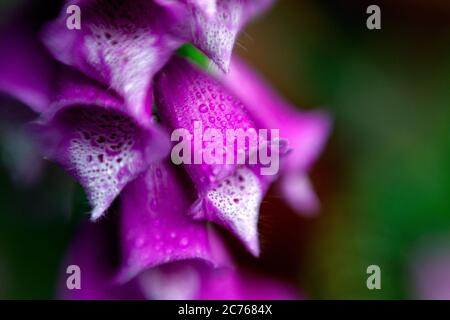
pixel 184 242
pixel 139 242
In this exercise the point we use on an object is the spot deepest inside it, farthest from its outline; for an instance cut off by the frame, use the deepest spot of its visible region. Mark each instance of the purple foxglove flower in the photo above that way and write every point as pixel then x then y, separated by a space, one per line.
pixel 93 90
pixel 26 68
pixel 89 135
pixel 215 35
pixel 229 194
pixel 192 279
pixel 306 132
pixel 121 43
pixel 82 125
pixel 154 226
pixel 206 7
pixel 124 43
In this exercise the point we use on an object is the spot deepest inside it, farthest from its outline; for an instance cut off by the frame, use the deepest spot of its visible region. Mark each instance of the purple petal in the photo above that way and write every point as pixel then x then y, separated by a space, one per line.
pixel 234 203
pixel 216 35
pixel 297 190
pixel 155 228
pixel 90 136
pixel 188 98
pixel 92 251
pixel 26 69
pixel 306 132
pixel 197 281
pixel 121 43
pixel 207 7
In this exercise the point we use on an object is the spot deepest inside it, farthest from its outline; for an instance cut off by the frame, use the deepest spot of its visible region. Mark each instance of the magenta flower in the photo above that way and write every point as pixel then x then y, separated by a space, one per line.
pixel 107 96
pixel 306 132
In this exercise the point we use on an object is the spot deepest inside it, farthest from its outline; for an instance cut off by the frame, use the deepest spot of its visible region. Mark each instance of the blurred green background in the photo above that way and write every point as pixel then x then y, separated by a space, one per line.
pixel 383 180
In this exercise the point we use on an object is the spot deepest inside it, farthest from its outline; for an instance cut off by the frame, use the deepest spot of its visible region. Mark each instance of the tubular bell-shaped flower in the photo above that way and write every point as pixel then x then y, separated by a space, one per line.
pixel 87 132
pixel 27 70
pixel 105 94
pixel 82 124
pixel 229 194
pixel 154 225
pixel 306 132
pixel 216 34
pixel 121 44
pixel 192 279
